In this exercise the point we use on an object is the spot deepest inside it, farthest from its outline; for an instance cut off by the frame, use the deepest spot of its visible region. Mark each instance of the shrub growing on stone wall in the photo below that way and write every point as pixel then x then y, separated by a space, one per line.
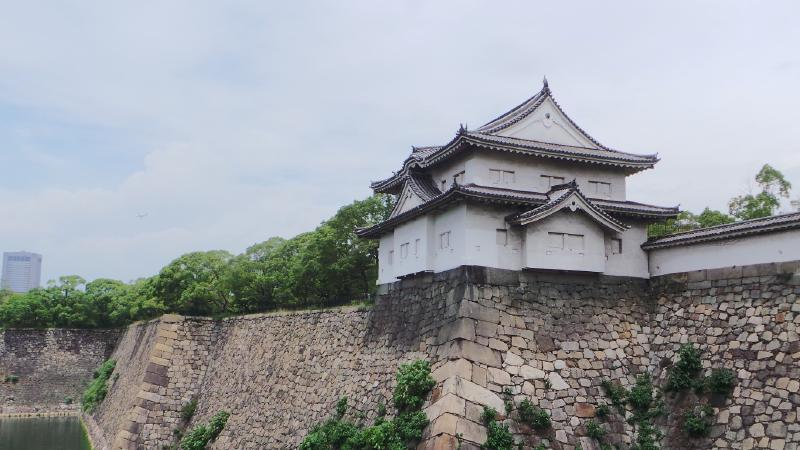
pixel 594 430
pixel 498 436
pixel 534 416
pixel 414 381
pixel 187 412
pixel 721 381
pixel 98 388
pixel 683 374
pixel 201 435
pixel 616 393
pixel 697 421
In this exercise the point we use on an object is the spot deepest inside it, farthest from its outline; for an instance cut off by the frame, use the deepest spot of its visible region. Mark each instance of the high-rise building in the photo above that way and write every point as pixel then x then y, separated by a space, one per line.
pixel 22 271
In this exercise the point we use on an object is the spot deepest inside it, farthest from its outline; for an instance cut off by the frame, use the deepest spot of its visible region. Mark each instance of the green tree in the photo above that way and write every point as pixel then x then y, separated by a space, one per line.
pixel 711 218
pixel 196 283
pixel 252 283
pixel 773 186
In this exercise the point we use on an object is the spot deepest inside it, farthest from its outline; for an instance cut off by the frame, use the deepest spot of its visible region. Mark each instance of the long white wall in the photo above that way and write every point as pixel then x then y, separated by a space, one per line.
pixel 478 235
pixel 766 248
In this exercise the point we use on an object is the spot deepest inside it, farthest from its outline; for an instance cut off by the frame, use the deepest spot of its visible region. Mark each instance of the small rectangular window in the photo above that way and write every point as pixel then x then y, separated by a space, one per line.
pixel 502 237
pixel 404 251
pixel 502 177
pixel 615 246
pixel 549 181
pixel 555 240
pixel 600 188
pixel 444 240
pixel 416 247
pixel 391 256
pixel 574 242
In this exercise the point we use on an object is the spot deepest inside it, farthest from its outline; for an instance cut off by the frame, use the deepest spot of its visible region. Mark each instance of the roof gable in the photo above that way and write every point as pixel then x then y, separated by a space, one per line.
pixel 547 124
pixel 540 118
pixel 568 197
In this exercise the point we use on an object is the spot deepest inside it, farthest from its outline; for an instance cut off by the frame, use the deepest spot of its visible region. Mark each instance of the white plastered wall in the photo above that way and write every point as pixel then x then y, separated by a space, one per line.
pixel 386 269
pixel 483 248
pixel 528 173
pixel 539 254
pixel 452 220
pixel 765 248
pixel 632 262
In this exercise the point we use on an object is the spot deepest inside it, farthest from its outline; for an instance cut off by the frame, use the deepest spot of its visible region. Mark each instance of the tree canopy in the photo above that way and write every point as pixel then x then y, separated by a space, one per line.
pixel 773 186
pixel 325 267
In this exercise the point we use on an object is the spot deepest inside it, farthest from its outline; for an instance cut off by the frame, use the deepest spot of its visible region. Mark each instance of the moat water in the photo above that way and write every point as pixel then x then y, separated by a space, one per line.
pixel 47 433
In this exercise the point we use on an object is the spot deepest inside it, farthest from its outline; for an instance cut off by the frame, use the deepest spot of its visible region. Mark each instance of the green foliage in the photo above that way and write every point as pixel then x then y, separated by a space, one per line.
pixel 414 381
pixel 721 381
pixel 616 393
pixel 488 415
pixel 534 416
pixel 508 401
pixel 682 375
pixel 641 394
pixel 187 412
pixel 328 266
pixel 647 437
pixel 498 437
pixel 594 430
pixel 548 384
pixel 697 422
pixel 98 388
pixel 200 436
pixel 602 411
pixel 773 186
pixel 413 384
pixel 13 379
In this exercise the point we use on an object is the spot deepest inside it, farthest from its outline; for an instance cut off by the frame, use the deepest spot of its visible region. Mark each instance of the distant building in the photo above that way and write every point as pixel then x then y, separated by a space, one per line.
pixel 22 271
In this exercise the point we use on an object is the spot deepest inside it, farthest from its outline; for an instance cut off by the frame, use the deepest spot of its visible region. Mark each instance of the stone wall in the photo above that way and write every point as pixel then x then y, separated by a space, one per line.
pixel 278 374
pixel 546 337
pixel 52 367
pixel 746 319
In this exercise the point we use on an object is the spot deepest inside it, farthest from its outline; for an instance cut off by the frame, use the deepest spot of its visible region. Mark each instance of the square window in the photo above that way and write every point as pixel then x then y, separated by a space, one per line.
pixel 574 242
pixel 555 240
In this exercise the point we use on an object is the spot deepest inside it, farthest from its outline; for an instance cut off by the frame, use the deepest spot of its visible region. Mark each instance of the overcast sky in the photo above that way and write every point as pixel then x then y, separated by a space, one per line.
pixel 230 122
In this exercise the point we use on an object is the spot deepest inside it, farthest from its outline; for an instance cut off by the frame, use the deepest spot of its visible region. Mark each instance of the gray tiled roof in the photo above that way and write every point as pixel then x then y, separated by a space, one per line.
pixel 491 194
pixel 557 195
pixel 764 225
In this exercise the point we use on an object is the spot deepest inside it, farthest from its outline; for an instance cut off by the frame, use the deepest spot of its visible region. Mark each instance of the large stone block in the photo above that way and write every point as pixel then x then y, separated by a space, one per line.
pixel 477 311
pixel 475 352
pixel 459 367
pixel 472 392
